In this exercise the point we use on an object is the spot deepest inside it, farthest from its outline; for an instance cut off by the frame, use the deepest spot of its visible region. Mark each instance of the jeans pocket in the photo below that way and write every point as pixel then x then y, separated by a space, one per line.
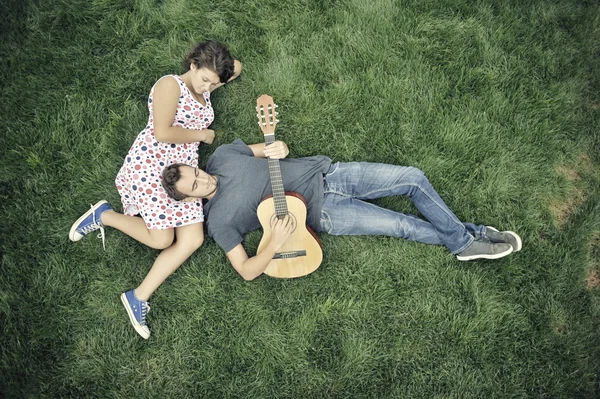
pixel 325 222
pixel 332 169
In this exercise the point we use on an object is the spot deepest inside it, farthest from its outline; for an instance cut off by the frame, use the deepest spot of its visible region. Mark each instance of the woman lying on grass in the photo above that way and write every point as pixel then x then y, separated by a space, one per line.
pixel 180 113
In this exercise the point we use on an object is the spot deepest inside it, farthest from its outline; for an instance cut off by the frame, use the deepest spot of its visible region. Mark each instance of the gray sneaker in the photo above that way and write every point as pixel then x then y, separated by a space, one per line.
pixel 484 250
pixel 509 237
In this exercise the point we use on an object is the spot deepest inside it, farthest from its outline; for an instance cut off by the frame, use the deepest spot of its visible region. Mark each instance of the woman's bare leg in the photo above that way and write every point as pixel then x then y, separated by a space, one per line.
pixel 189 239
pixel 135 227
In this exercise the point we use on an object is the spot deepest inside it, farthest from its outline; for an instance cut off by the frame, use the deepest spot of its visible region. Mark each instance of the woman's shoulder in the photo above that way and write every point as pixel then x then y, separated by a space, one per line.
pixel 168 83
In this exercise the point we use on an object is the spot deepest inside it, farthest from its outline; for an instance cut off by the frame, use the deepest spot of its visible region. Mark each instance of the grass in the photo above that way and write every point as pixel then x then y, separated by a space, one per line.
pixel 496 101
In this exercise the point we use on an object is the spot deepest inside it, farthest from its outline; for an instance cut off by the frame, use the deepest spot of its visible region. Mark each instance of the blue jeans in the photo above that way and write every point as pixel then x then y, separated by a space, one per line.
pixel 345 213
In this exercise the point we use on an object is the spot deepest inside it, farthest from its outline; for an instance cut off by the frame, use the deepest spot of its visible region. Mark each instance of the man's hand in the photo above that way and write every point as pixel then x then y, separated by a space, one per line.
pixel 277 150
pixel 208 135
pixel 251 268
pixel 281 231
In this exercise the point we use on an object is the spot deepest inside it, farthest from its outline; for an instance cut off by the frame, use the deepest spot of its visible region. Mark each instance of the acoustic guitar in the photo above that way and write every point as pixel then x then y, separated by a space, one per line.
pixel 301 254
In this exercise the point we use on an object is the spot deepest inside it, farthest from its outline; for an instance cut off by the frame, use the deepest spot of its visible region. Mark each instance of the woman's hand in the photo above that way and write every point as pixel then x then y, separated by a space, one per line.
pixel 207 136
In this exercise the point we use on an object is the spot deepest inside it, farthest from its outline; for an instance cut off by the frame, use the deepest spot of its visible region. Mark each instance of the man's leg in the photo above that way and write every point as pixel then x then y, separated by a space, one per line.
pixel 343 215
pixel 348 182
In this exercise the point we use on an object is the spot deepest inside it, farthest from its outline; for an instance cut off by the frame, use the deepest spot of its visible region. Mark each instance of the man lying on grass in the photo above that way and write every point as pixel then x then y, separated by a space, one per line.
pixel 237 179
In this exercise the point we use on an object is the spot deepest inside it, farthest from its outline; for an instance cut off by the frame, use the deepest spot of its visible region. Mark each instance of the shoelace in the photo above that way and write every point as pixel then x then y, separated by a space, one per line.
pixel 145 309
pixel 93 227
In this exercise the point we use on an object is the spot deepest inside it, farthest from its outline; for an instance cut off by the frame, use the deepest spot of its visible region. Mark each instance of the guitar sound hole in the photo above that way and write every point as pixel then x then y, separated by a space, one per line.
pixel 291 215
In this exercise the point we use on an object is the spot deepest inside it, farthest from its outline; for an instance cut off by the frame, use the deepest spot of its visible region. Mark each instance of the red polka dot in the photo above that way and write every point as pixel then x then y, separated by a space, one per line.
pixel 138 167
pixel 178 214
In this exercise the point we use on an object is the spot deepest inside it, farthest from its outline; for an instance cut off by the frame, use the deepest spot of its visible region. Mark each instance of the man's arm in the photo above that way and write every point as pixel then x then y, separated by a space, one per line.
pixel 277 150
pixel 250 268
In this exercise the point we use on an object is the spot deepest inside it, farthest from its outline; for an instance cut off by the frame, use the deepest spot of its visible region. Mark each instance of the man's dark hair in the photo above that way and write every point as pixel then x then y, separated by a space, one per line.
pixel 170 177
pixel 212 55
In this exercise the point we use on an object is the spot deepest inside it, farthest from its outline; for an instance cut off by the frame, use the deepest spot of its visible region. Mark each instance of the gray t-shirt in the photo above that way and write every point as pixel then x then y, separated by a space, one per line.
pixel 244 181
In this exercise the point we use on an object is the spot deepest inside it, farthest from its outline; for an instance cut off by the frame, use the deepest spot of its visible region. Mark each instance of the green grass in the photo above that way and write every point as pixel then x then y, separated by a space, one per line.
pixel 496 101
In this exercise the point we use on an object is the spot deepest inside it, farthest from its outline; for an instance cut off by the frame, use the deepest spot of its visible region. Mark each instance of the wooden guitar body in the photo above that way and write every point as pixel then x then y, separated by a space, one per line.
pixel 301 254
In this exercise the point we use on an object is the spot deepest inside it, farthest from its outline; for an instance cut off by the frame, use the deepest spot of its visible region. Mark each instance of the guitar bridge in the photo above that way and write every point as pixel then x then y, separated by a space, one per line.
pixel 289 254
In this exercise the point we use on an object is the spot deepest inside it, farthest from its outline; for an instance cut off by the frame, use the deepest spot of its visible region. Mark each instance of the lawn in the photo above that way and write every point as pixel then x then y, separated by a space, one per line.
pixel 496 101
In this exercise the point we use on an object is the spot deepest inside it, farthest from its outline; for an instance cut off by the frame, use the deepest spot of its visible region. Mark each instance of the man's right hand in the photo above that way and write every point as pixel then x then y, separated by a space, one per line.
pixel 250 268
pixel 281 231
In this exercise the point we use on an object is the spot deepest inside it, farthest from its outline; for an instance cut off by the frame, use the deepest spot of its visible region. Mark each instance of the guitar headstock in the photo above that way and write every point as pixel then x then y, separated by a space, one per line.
pixel 265 111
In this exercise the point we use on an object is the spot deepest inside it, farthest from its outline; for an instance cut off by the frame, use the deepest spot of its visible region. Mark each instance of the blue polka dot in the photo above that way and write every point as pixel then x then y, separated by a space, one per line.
pixel 144 148
pixel 154 199
pixel 143 179
pixel 161 163
pixel 128 159
pixel 138 158
pixel 150 100
pixel 178 224
pixel 162 217
pixel 173 146
pixel 134 187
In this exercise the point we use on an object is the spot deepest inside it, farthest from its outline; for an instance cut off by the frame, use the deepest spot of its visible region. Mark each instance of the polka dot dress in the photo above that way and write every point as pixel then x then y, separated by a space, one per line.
pixel 138 181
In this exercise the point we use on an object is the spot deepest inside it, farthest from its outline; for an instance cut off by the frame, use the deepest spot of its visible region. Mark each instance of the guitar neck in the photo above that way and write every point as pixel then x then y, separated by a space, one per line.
pixel 276 181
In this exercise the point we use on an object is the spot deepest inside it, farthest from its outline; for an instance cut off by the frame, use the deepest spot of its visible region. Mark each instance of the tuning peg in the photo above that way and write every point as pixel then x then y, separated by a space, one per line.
pixel 276 105
pixel 258 123
pixel 277 120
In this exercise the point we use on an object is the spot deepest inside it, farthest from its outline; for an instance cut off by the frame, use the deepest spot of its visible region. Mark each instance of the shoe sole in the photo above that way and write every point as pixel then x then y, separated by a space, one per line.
pixel 81 219
pixel 138 327
pixel 512 233
pixel 484 256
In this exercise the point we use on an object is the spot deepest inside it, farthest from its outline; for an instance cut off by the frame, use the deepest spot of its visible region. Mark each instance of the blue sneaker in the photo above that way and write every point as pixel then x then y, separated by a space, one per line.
pixel 137 311
pixel 90 221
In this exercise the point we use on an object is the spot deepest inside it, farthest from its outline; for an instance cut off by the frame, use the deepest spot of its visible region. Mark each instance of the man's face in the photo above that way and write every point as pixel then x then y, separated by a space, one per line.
pixel 195 183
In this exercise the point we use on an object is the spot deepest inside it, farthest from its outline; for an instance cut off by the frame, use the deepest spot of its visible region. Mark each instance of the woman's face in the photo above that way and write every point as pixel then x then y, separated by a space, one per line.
pixel 203 79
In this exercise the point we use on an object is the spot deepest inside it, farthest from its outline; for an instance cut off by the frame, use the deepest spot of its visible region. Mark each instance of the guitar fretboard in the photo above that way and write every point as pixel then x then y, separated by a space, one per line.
pixel 276 181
